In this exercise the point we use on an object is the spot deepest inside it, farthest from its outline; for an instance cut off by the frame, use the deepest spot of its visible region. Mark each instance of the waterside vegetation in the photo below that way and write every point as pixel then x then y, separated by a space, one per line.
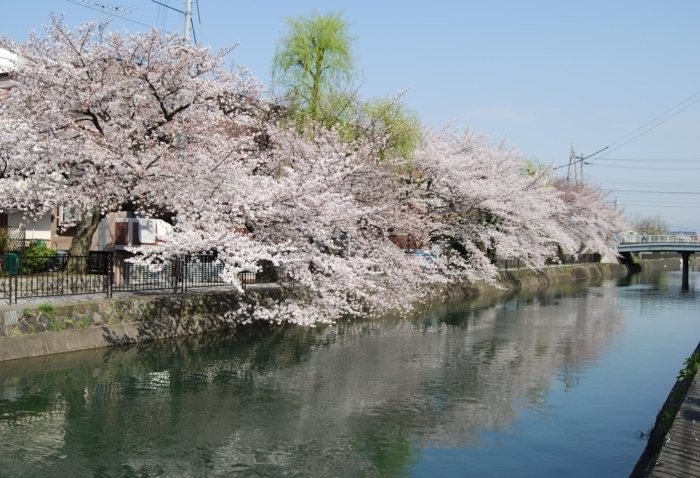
pixel 149 123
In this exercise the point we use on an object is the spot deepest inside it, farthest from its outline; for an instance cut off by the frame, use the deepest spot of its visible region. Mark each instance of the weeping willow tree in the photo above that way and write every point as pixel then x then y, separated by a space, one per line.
pixel 314 68
pixel 314 62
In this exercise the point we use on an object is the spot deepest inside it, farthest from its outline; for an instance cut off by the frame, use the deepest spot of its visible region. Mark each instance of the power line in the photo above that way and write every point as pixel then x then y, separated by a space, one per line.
pixel 647 201
pixel 579 159
pixel 582 159
pixel 189 23
pixel 647 160
pixel 661 115
pixel 654 168
pixel 646 184
pixel 199 18
pixel 111 14
pixel 646 131
pixel 654 192
pixel 165 17
pixel 658 205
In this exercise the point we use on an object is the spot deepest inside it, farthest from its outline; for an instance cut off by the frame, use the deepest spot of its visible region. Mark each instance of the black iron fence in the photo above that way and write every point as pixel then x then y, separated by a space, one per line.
pixel 42 276
pixel 515 263
pixel 25 276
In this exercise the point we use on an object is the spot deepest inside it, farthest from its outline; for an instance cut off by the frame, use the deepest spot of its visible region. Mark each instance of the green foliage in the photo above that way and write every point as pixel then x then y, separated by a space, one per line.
pixel 534 167
pixel 4 239
pixel 393 120
pixel 692 364
pixel 26 312
pixel 48 309
pixel 35 257
pixel 57 326
pixel 314 66
pixel 313 60
pixel 387 444
pixel 37 243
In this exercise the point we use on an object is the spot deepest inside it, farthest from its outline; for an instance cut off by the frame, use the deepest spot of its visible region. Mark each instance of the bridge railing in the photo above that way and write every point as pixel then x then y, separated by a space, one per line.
pixel 660 238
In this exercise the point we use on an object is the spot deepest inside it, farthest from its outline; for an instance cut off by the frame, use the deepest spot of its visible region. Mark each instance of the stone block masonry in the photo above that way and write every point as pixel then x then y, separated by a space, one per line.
pixel 49 328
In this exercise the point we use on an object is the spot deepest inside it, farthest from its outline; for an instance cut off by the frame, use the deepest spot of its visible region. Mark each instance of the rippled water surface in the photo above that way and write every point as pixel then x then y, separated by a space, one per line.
pixel 550 383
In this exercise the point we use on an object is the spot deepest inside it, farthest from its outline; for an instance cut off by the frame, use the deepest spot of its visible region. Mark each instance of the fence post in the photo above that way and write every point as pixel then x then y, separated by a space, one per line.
pixel 110 274
pixel 10 282
pixel 183 274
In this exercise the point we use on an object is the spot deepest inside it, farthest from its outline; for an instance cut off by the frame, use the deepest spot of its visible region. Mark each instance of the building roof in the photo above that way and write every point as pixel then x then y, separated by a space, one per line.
pixel 7 61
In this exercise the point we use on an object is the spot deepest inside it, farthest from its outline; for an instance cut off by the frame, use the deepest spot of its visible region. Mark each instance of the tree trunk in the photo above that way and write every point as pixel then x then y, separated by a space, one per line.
pixel 80 245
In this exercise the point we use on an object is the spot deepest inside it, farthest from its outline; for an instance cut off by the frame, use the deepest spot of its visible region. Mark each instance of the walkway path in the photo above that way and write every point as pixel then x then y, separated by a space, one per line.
pixel 73 299
pixel 680 455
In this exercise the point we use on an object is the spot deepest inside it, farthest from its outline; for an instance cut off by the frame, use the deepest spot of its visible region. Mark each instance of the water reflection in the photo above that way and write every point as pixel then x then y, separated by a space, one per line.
pixel 353 399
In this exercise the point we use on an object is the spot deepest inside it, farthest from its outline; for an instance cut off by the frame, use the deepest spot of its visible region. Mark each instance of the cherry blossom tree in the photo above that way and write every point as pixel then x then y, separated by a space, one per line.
pixel 593 222
pixel 482 202
pixel 318 207
pixel 151 123
pixel 101 126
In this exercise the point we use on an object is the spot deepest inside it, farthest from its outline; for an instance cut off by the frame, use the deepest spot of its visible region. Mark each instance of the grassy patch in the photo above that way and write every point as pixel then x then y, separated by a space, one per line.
pixel 48 310
pixel 667 415
pixel 57 326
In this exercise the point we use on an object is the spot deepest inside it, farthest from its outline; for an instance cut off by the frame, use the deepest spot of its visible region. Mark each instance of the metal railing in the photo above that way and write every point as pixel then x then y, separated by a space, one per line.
pixel 514 263
pixel 25 276
pixel 266 275
pixel 660 238
pixel 133 277
pixel 42 276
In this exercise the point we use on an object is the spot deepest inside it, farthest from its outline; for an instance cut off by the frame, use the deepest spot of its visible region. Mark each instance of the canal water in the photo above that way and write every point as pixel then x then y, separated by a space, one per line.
pixel 548 383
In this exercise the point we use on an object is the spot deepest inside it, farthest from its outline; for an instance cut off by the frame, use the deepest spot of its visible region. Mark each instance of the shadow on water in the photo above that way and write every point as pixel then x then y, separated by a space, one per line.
pixel 357 398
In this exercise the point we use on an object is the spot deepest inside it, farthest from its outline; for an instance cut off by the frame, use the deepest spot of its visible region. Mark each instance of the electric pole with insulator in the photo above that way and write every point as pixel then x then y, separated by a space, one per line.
pixel 188 19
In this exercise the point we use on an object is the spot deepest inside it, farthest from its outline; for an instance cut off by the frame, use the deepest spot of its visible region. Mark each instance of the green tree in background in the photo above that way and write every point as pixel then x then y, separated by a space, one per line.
pixel 314 68
pixel 399 125
pixel 314 61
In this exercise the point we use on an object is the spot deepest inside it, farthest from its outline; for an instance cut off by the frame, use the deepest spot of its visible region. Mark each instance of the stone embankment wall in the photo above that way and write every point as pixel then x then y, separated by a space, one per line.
pixel 653 265
pixel 48 329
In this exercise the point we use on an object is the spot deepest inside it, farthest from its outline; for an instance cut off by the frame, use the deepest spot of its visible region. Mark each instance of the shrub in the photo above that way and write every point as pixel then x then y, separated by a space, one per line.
pixel 35 257
pixel 48 310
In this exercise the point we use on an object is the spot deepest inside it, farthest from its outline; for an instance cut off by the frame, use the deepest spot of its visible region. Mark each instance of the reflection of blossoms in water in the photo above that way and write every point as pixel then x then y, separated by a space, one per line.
pixel 354 398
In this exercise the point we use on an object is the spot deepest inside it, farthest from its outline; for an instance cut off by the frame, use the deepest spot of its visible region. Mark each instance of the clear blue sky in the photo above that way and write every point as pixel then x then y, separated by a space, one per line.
pixel 543 74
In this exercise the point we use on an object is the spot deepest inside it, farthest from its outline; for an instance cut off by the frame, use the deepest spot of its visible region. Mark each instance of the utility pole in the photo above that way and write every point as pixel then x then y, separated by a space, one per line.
pixel 188 19
pixel 112 10
pixel 577 169
pixel 581 158
pixel 572 165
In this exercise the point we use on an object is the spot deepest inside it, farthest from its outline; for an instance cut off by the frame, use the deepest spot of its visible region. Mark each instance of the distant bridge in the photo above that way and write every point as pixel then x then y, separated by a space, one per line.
pixel 683 244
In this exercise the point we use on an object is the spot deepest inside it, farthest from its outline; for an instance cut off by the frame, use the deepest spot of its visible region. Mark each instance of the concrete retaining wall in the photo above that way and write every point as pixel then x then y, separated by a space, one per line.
pixel 45 329
pixel 554 275
pixel 673 264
